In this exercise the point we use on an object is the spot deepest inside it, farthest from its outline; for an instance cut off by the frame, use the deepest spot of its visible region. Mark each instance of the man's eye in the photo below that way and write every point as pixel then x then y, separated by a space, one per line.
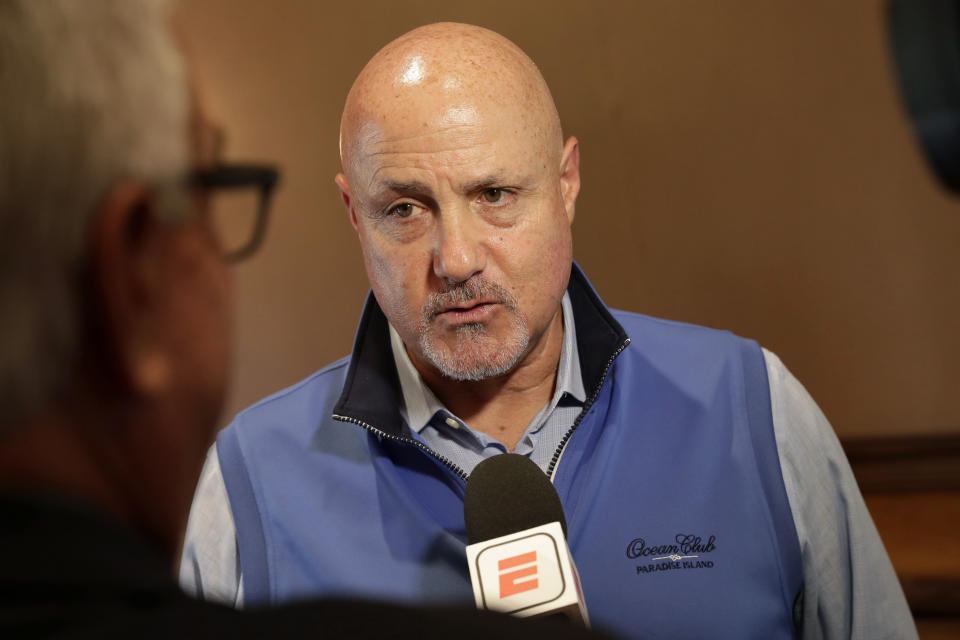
pixel 493 195
pixel 404 210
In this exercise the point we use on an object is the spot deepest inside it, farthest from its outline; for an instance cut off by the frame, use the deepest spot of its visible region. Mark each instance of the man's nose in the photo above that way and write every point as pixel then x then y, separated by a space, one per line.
pixel 458 251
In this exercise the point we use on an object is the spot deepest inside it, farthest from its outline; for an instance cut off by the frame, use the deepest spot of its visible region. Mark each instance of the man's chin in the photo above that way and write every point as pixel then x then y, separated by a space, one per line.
pixel 473 356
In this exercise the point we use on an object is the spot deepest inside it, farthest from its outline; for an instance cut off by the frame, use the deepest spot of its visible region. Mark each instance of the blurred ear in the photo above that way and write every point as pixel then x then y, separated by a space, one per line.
pixel 570 176
pixel 127 272
pixel 344 187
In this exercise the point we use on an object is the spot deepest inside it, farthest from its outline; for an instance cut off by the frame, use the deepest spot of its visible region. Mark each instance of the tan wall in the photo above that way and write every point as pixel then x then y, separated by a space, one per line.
pixel 746 165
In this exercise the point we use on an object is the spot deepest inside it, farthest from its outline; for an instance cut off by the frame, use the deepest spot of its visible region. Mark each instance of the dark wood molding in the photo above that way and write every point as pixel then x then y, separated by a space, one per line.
pixel 932 596
pixel 905 463
pixel 921 464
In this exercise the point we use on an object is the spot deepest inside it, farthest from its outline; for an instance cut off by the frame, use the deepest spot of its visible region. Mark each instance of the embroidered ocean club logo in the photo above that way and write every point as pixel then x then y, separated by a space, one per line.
pixel 687 551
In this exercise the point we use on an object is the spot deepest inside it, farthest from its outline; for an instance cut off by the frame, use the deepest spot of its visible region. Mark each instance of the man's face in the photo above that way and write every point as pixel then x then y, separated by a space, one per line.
pixel 463 215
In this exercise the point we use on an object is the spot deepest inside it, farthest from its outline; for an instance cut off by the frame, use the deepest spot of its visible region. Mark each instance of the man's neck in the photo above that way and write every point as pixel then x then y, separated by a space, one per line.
pixel 50 455
pixel 503 406
pixel 94 459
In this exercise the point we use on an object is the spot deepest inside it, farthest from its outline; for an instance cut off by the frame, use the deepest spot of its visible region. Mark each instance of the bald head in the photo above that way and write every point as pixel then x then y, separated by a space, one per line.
pixel 447 75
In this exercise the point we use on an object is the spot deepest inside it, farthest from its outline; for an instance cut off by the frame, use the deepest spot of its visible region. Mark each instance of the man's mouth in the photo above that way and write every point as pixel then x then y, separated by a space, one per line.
pixel 468 311
pixel 475 301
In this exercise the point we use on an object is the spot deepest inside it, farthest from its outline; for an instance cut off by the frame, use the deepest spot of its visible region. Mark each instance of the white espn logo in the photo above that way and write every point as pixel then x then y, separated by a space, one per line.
pixel 526 573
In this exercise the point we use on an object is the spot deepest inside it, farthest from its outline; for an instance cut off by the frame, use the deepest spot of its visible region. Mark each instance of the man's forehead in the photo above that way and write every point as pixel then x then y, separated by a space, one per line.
pixel 457 133
pixel 382 145
pixel 466 158
pixel 417 111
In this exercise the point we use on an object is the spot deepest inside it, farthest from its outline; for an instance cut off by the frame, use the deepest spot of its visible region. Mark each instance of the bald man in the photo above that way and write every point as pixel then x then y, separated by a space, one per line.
pixel 705 494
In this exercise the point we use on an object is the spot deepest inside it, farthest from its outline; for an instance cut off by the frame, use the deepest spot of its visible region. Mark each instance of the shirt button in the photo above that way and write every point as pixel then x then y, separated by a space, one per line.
pixel 452 422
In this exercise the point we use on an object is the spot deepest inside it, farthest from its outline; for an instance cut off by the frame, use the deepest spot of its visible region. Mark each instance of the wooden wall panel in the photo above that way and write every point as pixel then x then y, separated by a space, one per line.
pixel 746 165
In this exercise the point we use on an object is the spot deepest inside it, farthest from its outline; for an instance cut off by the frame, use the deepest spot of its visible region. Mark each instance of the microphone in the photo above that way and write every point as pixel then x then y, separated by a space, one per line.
pixel 518 555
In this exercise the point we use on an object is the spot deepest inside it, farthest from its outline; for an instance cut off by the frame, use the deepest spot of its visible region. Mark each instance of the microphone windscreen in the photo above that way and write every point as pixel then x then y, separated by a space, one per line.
pixel 508 493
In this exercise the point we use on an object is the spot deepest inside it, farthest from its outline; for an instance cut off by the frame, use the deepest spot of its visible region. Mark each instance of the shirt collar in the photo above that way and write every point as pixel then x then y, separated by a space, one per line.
pixel 420 404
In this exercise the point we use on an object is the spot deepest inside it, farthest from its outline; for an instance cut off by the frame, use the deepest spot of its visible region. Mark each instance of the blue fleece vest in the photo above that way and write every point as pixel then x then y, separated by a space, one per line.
pixel 677 515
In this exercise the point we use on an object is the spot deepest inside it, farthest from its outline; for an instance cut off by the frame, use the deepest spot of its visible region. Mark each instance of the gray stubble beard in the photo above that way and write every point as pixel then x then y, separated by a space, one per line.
pixel 475 355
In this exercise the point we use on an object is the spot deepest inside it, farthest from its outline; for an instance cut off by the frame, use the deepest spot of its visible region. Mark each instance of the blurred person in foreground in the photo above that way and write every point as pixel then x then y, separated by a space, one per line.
pixel 115 310
pixel 706 495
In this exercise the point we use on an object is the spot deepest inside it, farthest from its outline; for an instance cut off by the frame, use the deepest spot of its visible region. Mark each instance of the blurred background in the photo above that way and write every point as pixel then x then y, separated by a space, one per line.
pixel 746 165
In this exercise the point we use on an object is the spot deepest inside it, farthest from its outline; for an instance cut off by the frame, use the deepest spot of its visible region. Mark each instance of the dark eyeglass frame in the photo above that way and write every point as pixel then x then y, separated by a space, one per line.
pixel 241 176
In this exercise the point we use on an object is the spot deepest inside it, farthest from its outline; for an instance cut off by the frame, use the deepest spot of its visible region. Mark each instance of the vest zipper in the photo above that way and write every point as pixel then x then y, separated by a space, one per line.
pixel 383 434
pixel 552 469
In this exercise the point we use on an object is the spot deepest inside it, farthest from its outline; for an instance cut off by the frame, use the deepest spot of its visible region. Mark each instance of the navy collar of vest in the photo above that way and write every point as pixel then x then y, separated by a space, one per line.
pixel 371 393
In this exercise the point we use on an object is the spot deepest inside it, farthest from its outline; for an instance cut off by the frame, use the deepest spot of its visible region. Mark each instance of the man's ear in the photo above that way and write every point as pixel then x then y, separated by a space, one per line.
pixel 344 187
pixel 570 176
pixel 127 276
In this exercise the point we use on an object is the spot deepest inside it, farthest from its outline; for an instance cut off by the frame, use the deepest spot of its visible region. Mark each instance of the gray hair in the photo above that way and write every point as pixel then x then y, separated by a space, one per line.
pixel 91 92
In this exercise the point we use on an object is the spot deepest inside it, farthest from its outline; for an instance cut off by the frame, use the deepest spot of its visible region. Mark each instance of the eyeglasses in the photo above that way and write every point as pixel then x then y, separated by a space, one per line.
pixel 238 202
